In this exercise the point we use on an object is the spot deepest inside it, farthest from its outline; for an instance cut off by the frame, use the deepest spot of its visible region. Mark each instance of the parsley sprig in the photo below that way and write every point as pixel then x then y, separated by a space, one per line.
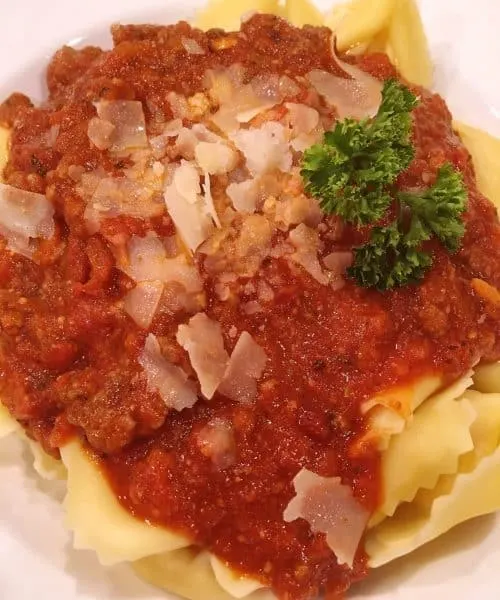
pixel 353 174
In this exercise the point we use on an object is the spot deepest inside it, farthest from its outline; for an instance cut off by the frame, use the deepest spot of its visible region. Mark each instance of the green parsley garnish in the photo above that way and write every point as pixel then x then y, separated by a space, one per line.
pixel 353 174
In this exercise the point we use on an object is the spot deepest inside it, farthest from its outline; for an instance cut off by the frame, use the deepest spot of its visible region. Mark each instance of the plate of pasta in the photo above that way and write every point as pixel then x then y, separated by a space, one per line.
pixel 249 300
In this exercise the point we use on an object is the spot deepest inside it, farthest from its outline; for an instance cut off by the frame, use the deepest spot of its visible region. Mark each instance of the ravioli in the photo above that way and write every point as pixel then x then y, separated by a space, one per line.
pixel 454 499
pixel 437 444
pixel 446 417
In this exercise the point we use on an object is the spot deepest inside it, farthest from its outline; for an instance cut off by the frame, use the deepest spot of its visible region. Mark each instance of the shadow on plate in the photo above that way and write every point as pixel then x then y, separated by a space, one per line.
pixel 456 544
pixel 96 581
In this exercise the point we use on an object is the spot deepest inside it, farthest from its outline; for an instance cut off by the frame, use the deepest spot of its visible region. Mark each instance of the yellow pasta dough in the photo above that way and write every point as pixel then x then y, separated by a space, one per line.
pixel 485 430
pixel 487 378
pixel 232 582
pixel 389 411
pixel 92 508
pixel 412 527
pixel 189 573
pixel 485 152
pixel 442 418
pixel 302 12
pixel 7 424
pixel 407 44
pixel 227 15
pixel 4 147
pixel 455 498
pixel 45 465
pixel 404 400
pixel 359 22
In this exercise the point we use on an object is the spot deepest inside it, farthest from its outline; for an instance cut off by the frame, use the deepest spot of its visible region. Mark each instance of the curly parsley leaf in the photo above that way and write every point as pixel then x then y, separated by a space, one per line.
pixel 353 174
pixel 390 259
pixel 441 206
pixel 350 171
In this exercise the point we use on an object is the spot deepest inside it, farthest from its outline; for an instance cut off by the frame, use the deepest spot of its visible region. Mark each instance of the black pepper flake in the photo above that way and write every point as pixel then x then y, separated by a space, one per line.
pixel 319 364
pixel 39 167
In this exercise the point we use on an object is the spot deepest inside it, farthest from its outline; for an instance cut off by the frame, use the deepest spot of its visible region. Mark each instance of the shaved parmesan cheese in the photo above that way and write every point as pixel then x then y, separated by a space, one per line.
pixel 173 128
pixel 127 118
pixel 266 87
pixel 186 143
pixel 306 242
pixel 244 369
pixel 191 46
pixel 244 195
pixel 147 261
pixel 298 209
pixel 253 243
pixel 215 158
pixel 209 201
pixel 100 133
pixel 241 103
pixel 305 140
pixel 142 302
pixel 226 120
pixel 265 149
pixel 288 88
pixel 165 378
pixel 357 98
pixel 329 507
pixel 179 105
pixel 24 216
pixel 159 143
pixel 216 441
pixel 305 124
pixel 203 134
pixel 202 339
pixel 121 196
pixel 188 139
pixel 337 263
pixel 187 181
pixel 303 119
pixel 192 223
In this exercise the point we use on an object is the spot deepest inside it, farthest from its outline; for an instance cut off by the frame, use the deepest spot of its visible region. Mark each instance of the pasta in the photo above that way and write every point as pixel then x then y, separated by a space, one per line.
pixel 454 499
pixel 7 424
pixel 360 22
pixel 424 463
pixel 224 15
pixel 448 432
pixel 487 378
pixel 407 44
pixel 485 151
pixel 302 12
pixel 190 574
pixel 126 539
pixel 4 137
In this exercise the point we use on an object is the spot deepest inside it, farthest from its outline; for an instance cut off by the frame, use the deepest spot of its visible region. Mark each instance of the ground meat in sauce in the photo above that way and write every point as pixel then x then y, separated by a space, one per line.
pixel 69 351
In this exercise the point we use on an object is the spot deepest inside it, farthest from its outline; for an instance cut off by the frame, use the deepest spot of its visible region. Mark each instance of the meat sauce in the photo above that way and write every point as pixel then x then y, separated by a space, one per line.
pixel 69 352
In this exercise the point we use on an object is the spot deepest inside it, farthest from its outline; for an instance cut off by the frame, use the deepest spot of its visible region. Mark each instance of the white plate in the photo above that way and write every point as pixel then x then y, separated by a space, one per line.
pixel 36 558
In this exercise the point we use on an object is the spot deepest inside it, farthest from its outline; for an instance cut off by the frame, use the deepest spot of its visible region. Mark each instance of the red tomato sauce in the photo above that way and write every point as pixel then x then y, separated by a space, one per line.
pixel 68 362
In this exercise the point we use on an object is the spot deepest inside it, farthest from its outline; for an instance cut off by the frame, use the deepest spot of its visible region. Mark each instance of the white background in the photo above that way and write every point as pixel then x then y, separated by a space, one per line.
pixel 36 558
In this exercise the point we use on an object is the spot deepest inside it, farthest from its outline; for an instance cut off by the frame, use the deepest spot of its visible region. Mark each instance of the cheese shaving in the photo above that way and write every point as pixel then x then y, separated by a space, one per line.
pixel 329 507
pixel 202 339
